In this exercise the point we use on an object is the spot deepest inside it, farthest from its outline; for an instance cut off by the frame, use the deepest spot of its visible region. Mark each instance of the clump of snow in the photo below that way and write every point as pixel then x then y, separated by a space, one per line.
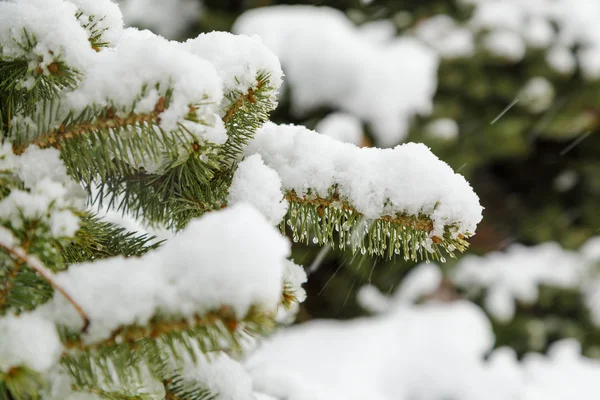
pixel 232 257
pixel 429 351
pixel 537 94
pixel 561 60
pixel 238 59
pixel 448 38
pixel 589 60
pixel 49 195
pixel 167 18
pixel 333 64
pixel 378 31
pixel 443 129
pixel 140 59
pixel 217 372
pixel 421 281
pixel 28 340
pixel 566 180
pixel 293 277
pixel 58 34
pixel 407 179
pixel 512 21
pixel 539 32
pixel 515 275
pixel 259 185
pixel 393 356
pixel 506 44
pixel 344 127
pixel 106 17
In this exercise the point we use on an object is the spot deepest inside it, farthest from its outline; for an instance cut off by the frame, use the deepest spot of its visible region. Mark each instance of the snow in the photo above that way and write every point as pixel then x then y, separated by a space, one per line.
pixel 28 340
pixel 232 257
pixel 341 126
pixel 167 18
pixel 506 44
pixel 294 276
pixel 58 34
pixel 589 60
pixel 565 181
pixel 142 60
pixel 423 280
pixel 259 185
pixel 561 60
pixel 333 64
pixel 443 129
pixel 380 31
pixel 533 20
pixel 428 351
pixel 448 38
pixel 376 182
pixel 537 94
pixel 383 357
pixel 50 194
pixel 219 373
pixel 238 59
pixel 515 275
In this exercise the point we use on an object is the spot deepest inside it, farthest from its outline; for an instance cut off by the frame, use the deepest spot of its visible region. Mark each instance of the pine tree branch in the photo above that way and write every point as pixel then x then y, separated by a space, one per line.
pixel 110 121
pixel 9 282
pixel 36 265
pixel 157 328
pixel 421 223
pixel 333 221
pixel 245 113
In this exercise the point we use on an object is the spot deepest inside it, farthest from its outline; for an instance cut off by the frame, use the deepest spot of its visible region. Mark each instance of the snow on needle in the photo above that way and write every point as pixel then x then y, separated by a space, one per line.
pixel 505 111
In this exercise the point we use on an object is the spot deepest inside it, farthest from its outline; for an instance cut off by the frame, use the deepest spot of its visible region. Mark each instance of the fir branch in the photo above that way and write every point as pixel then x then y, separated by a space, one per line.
pixel 106 121
pixel 97 239
pixel 420 223
pixel 20 383
pixel 36 265
pixel 333 221
pixel 94 32
pixel 133 336
pixel 245 113
pixel 8 283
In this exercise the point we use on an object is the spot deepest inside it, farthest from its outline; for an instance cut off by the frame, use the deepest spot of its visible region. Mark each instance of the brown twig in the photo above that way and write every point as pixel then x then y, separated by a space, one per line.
pixel 49 277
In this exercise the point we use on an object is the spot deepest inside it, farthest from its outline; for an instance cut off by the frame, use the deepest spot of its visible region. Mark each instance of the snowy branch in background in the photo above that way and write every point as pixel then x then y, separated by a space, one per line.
pixel 434 349
pixel 334 64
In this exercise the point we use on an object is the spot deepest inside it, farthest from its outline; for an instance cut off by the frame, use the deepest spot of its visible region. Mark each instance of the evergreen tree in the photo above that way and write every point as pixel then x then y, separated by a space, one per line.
pixel 177 136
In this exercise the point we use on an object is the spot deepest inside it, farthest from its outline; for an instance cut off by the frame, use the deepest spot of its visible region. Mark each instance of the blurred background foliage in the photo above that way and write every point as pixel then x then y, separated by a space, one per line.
pixel 536 169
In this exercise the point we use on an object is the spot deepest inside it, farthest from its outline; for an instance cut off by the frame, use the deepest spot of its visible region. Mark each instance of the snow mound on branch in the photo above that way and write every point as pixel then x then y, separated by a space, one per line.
pixel 259 185
pixel 238 59
pixel 429 351
pixel 58 34
pixel 143 59
pixel 28 340
pixel 232 257
pixel 407 179
pixel 333 64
